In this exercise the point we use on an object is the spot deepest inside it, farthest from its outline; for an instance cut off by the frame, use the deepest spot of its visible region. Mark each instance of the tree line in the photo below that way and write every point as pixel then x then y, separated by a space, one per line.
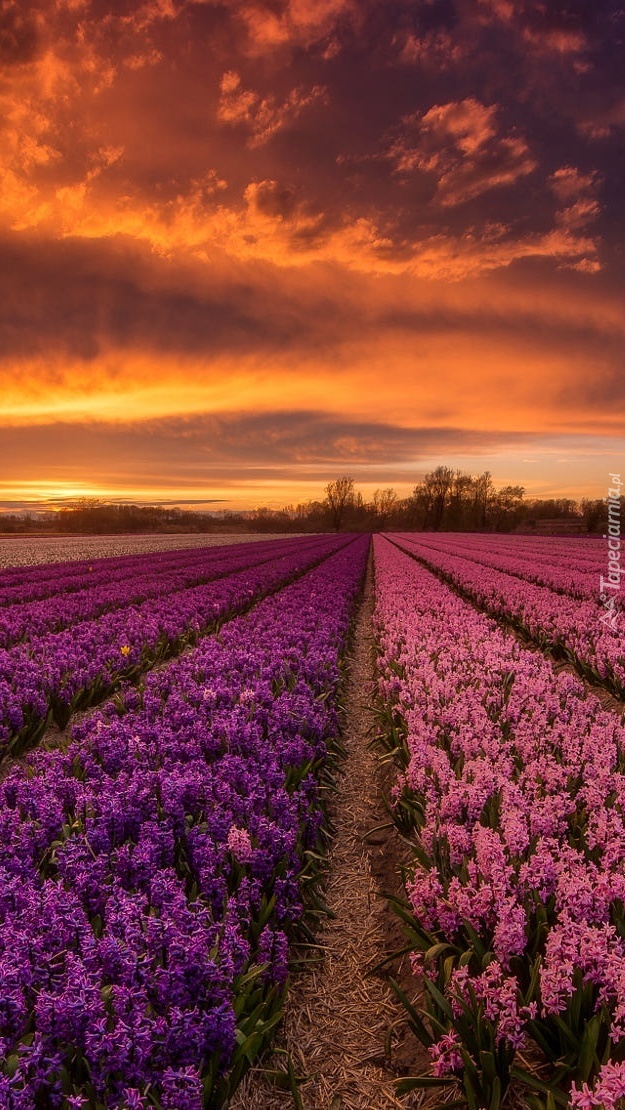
pixel 455 501
pixel 446 500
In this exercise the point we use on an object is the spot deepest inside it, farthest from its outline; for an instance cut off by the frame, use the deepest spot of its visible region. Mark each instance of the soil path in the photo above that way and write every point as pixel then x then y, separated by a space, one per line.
pixel 339 1013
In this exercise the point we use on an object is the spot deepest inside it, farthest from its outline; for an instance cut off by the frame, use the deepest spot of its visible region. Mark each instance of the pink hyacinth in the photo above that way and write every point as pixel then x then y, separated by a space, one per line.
pixel 446 1054
pixel 240 845
pixel 607 1091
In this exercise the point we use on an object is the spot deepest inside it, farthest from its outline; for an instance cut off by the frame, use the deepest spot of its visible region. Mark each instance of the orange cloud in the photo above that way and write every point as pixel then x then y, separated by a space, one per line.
pixel 568 183
pixel 581 208
pixel 294 23
pixel 262 116
pixel 467 124
pixel 433 49
pixel 502 9
pixel 542 29
pixel 600 125
pixel 578 215
pixel 458 143
pixel 555 40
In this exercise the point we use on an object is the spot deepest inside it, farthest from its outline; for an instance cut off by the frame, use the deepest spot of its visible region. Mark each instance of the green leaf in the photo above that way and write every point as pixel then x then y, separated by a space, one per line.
pixel 439 999
pixel 437 950
pixel 420 1082
pixel 487 1061
pixel 11 1064
pixel 537 1084
pixel 588 1049
pixel 470 1092
pixel 416 1021
pixel 495 1098
pixel 567 1033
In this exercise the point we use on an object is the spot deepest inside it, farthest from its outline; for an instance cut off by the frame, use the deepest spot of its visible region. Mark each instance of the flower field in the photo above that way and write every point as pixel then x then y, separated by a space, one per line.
pixel 73 635
pixel 162 849
pixel 555 604
pixel 156 860
pixel 511 791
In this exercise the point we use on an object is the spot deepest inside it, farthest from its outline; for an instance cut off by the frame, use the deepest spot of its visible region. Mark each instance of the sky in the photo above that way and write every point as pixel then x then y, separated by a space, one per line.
pixel 247 247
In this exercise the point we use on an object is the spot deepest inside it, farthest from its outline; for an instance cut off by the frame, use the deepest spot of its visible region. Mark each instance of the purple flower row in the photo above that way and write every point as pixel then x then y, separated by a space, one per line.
pixel 568 627
pixel 57 673
pixel 28 584
pixel 514 778
pixel 69 605
pixel 150 866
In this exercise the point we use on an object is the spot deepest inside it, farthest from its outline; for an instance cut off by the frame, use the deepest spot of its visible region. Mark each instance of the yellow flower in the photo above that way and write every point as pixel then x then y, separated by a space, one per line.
pixel 125 650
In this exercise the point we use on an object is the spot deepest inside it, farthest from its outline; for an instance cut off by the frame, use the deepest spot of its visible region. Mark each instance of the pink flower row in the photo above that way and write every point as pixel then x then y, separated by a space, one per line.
pixel 567 625
pixel 553 564
pixel 519 775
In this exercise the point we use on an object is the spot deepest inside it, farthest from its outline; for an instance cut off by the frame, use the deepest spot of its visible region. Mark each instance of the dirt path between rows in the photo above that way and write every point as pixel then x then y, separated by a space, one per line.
pixel 339 1013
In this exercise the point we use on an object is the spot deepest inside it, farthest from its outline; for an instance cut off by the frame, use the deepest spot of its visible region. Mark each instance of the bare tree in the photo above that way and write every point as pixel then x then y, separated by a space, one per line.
pixel 384 501
pixel 339 496
pixel 459 501
pixel 483 494
pixel 439 485
pixel 506 505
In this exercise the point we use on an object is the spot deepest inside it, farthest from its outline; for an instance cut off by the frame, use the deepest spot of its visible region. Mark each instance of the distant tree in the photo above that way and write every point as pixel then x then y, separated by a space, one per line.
pixel 384 503
pixel 339 497
pixel 507 506
pixel 420 507
pixel 459 502
pixel 438 485
pixel 595 514
pixel 483 495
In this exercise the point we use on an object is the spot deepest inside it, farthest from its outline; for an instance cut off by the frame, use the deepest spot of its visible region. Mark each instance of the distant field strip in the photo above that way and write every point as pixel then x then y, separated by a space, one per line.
pixel 61 600
pixel 28 551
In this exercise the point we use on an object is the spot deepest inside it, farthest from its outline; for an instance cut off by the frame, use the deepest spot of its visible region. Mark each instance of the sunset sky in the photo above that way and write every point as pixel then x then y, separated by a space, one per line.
pixel 248 247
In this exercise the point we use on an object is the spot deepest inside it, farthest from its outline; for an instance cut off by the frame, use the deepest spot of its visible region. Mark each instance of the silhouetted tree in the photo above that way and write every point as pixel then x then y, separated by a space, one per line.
pixel 339 496
pixel 384 504
pixel 507 503
pixel 438 486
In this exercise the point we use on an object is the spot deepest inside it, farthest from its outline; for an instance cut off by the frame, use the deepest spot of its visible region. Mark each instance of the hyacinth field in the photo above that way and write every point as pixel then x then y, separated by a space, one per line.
pixel 512 795
pixel 170 744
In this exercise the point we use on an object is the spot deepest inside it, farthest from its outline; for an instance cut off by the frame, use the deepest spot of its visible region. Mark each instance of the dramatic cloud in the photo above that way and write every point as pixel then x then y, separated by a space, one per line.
pixel 294 23
pixel 459 145
pixel 261 115
pixel 315 234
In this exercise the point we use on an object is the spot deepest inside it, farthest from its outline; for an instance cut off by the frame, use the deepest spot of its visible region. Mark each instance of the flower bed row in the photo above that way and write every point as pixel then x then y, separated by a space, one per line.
pixel 56 674
pixel 586 553
pixel 512 793
pixel 153 867
pixel 19 585
pixel 569 628
pixel 69 605
pixel 556 569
